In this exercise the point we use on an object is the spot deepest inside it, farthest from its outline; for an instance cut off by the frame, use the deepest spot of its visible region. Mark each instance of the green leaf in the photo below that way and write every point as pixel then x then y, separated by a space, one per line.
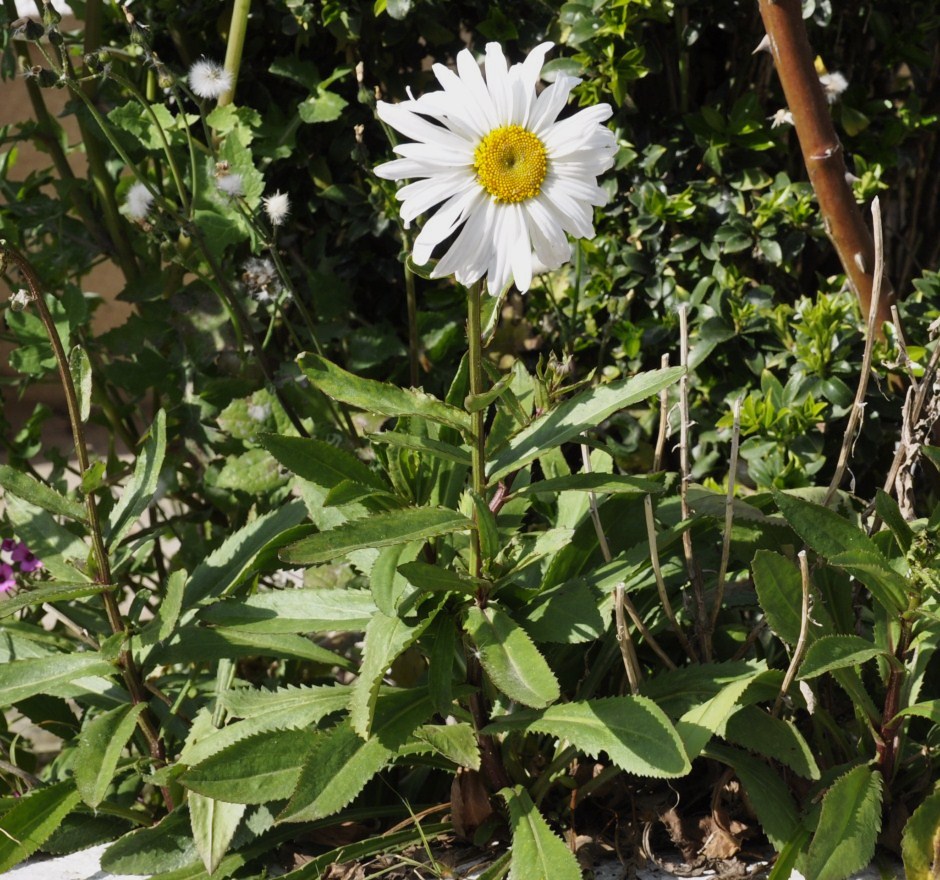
pixel 379 530
pixel 323 106
pixel 437 448
pixel 486 527
pixel 537 852
pixel 766 792
pixel 381 398
pixel 289 611
pixel 566 614
pixel 62 552
pixel 32 819
pixel 699 723
pixel 321 463
pixel 30 489
pixel 456 742
pixel 634 731
pixel 602 484
pixel 432 577
pixel 54 592
pixel 509 657
pixel 848 827
pixel 139 494
pixel 341 762
pixel 99 750
pixel 758 731
pixel 887 508
pixel 928 709
pixel 780 592
pixel 255 770
pixel 845 546
pixel 475 402
pixel 575 416
pixel 385 638
pixel 214 824
pixel 837 652
pixel 230 563
pixel 162 847
pixel 20 679
pixel 920 842
pixel 80 368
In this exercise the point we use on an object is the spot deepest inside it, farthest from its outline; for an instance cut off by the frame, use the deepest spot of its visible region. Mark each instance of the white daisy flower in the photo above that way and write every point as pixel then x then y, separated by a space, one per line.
pixel 277 207
pixel 508 177
pixel 208 79
pixel 138 201
pixel 834 84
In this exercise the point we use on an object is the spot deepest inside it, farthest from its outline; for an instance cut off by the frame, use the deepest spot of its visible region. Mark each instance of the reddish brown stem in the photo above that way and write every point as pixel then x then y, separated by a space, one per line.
pixel 887 749
pixel 822 151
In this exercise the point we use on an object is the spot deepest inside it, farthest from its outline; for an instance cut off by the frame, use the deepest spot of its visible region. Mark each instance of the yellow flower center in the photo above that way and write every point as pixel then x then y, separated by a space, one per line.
pixel 511 164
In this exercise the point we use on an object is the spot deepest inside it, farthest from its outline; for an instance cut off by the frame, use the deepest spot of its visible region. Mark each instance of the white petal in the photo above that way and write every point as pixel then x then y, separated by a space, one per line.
pixel 422 195
pixel 416 127
pixel 399 169
pixel 516 234
pixel 572 216
pixel 548 238
pixel 474 107
pixel 469 255
pixel 435 155
pixel 497 82
pixel 470 75
pixel 550 103
pixel 569 134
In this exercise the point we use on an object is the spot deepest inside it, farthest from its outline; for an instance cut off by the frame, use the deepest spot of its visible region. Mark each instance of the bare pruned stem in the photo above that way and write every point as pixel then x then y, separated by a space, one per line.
pixel 627 648
pixel 822 151
pixel 800 647
pixel 729 514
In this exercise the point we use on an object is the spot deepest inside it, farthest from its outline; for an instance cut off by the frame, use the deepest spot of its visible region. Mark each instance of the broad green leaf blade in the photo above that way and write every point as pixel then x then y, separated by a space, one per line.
pixel 385 638
pixel 888 509
pixel 63 553
pixel 602 484
pixel 139 494
pixel 380 530
pixel 214 824
pixel 566 614
pixel 677 691
pixel 537 852
pixel 766 792
pixel 380 397
pixel 779 590
pixel 230 563
pixel 634 731
pixel 928 709
pixel 163 847
pixel 53 592
pixel 437 579
pixel 80 368
pixel 845 546
pixel 30 489
pixel 32 819
pixel 456 742
pixel 99 750
pixel 848 827
pixel 321 463
pixel 701 722
pixel 437 448
pixel 509 657
pixel 837 652
pixel 341 762
pixel 920 843
pixel 20 679
pixel 255 770
pixel 575 416
pixel 775 738
pixel 293 611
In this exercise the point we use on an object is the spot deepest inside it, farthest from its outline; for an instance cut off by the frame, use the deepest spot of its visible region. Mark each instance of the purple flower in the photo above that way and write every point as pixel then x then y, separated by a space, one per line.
pixel 7 582
pixel 7 544
pixel 26 560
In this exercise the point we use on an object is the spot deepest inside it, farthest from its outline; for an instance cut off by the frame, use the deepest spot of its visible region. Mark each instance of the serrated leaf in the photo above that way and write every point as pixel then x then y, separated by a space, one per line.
pixel 166 846
pixel 385 638
pixel 20 679
pixel 566 614
pixel 758 731
pixel 434 578
pixel 485 522
pixel 54 592
pixel 920 842
pixel 341 762
pixel 80 368
pixel 575 416
pixel 456 742
pixel 779 590
pixel 602 484
pixel 379 530
pixel 32 819
pixel 845 546
pixel 766 792
pixel 99 750
pixel 61 552
pixel 848 827
pixel 230 563
pixel 437 448
pixel 837 652
pixel 537 852
pixel 634 731
pixel 139 494
pixel 295 611
pixel 255 770
pixel 928 709
pixel 509 657
pixel 887 508
pixel 254 472
pixel 321 463
pixel 698 724
pixel 381 398
pixel 214 824
pixel 30 489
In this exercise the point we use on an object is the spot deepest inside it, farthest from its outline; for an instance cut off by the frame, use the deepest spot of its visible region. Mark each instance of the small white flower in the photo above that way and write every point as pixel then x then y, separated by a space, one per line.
pixel 260 278
pixel 259 411
pixel 209 79
pixel 20 300
pixel 277 207
pixel 138 201
pixel 834 84
pixel 507 178
pixel 232 185
pixel 781 117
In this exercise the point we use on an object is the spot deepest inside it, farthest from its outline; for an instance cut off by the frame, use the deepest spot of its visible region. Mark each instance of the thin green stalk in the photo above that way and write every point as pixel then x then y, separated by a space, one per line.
pixel 235 46
pixel 412 301
pixel 478 440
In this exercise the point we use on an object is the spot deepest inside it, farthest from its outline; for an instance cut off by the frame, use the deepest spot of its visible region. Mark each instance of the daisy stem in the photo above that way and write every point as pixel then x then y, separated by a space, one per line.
pixel 412 324
pixel 235 46
pixel 478 441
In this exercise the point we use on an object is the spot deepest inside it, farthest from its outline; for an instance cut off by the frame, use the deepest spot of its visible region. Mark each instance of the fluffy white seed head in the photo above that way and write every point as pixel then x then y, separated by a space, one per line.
pixel 209 79
pixel 231 185
pixel 138 201
pixel 277 207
